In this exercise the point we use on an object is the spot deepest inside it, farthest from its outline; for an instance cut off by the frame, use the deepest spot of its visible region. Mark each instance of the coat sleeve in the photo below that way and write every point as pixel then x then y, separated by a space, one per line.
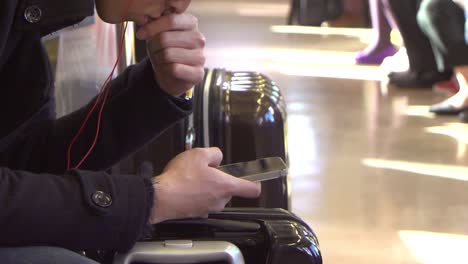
pixel 136 112
pixel 49 206
pixel 41 203
pixel 63 211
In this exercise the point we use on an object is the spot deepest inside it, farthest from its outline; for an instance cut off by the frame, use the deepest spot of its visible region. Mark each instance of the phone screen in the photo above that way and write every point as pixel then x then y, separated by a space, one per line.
pixel 257 170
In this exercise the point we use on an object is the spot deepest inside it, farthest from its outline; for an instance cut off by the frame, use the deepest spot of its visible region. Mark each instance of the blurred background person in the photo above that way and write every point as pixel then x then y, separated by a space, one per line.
pixel 381 46
pixel 424 69
pixel 443 22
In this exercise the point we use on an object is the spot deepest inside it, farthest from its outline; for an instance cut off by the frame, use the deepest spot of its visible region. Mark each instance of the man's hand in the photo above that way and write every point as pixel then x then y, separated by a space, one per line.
pixel 191 186
pixel 175 47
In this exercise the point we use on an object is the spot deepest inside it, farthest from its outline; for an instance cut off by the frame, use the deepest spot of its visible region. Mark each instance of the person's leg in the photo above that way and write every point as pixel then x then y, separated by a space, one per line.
pixel 380 26
pixel 293 12
pixel 462 76
pixel 417 45
pixel 459 102
pixel 387 11
pixel 443 22
pixel 41 255
pixel 381 46
pixel 423 70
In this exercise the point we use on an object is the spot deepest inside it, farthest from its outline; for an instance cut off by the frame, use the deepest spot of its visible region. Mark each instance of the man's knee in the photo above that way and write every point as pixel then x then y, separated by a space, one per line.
pixel 41 255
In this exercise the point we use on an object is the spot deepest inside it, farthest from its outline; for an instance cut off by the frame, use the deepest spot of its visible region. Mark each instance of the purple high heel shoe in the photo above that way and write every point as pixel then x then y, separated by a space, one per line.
pixel 363 58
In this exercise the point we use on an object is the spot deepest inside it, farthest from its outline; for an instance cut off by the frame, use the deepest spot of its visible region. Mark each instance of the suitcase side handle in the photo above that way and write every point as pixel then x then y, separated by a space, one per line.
pixel 181 251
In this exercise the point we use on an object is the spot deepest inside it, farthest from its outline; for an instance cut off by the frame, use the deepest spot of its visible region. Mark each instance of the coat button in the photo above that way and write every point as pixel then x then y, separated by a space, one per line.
pixel 33 14
pixel 102 199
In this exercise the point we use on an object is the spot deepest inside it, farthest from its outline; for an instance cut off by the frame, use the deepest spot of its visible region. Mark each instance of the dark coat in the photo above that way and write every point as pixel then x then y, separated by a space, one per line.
pixel 41 203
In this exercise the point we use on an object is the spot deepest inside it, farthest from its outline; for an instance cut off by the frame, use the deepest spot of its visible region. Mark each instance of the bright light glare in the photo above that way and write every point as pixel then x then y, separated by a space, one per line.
pixel 263 10
pixel 296 107
pixel 364 34
pixel 434 170
pixel 418 110
pixel 332 71
pixel 297 62
pixel 457 131
pixel 436 248
pixel 249 9
pixel 324 31
pixel 302 145
pixel 285 55
pixel 130 44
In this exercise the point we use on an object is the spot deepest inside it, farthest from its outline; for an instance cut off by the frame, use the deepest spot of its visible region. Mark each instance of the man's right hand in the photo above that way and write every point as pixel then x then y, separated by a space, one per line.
pixel 191 186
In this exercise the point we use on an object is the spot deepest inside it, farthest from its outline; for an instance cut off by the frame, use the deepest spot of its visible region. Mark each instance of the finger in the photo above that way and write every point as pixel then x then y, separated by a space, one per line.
pixel 213 156
pixel 183 73
pixel 179 56
pixel 244 188
pixel 173 22
pixel 177 39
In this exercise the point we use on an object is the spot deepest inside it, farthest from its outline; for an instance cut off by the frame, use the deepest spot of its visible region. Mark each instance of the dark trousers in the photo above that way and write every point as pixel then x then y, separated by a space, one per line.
pixel 433 33
pixel 41 255
pixel 418 46
pixel 443 22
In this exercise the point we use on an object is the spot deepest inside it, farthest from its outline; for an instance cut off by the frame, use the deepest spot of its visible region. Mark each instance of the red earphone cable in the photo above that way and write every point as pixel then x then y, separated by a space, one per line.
pixel 104 90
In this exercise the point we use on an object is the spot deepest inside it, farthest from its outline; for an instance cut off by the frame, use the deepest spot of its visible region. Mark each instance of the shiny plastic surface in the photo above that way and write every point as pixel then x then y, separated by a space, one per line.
pixel 245 117
pixel 181 252
pixel 265 236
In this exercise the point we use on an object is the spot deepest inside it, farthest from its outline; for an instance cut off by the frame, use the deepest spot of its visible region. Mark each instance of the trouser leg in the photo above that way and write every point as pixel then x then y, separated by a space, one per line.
pixel 380 24
pixel 443 22
pixel 41 255
pixel 420 54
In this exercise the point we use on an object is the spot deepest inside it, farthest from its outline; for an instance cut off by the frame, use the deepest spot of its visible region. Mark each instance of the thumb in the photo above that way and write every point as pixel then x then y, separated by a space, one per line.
pixel 244 188
pixel 215 156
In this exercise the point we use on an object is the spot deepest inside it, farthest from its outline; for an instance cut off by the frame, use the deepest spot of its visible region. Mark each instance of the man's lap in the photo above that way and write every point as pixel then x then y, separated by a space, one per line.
pixel 41 255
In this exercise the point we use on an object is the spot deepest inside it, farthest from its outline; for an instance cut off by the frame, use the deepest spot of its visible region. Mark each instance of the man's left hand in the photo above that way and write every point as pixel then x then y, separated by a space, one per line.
pixel 176 50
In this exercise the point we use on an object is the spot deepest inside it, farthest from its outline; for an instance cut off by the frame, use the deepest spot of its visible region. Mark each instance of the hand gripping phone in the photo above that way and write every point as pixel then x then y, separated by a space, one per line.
pixel 257 170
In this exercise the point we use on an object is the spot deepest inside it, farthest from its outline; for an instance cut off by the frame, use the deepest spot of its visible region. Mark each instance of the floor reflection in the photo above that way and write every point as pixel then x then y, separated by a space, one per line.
pixel 457 131
pixel 434 170
pixel 436 248
pixel 367 160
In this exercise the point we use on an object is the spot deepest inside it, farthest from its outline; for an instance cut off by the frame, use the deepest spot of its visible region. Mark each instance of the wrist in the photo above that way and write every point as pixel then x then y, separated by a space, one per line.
pixel 157 212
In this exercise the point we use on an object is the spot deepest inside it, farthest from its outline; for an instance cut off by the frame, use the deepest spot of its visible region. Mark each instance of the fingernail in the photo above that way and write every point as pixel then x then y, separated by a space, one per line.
pixel 141 34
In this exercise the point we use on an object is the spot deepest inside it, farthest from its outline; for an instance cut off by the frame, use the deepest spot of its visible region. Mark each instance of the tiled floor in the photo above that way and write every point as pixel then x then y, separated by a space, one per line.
pixel 378 178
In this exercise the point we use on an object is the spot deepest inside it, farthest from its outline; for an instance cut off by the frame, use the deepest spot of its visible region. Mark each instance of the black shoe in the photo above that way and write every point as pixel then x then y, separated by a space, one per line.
pixel 446 109
pixel 418 79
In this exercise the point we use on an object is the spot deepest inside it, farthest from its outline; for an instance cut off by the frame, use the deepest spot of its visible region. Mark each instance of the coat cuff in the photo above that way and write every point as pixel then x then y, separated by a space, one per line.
pixel 145 69
pixel 125 200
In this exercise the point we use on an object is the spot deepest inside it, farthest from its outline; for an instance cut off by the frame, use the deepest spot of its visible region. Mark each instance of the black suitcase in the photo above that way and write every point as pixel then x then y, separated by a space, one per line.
pixel 242 113
pixel 237 236
pixel 314 12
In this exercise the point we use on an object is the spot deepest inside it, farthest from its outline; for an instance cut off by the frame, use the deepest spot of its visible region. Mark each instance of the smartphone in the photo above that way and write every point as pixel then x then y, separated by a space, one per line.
pixel 257 170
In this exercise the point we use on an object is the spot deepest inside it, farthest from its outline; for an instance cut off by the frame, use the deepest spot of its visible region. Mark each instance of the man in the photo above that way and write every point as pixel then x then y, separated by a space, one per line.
pixel 44 204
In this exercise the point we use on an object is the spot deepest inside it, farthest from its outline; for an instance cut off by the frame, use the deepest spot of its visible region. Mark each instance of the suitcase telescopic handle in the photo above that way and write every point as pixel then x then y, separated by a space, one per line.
pixel 182 252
